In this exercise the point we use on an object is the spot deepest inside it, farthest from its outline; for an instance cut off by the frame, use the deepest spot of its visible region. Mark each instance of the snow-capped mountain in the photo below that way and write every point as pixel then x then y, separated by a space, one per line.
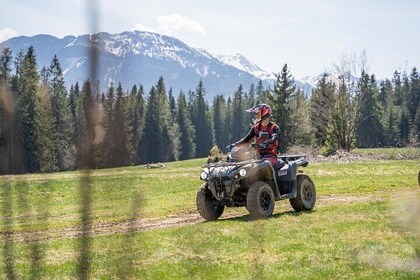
pixel 242 63
pixel 139 57
pixel 332 77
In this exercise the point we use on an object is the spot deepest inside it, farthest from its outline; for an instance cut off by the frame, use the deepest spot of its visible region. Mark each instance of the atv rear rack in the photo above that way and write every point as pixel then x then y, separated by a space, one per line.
pixel 292 157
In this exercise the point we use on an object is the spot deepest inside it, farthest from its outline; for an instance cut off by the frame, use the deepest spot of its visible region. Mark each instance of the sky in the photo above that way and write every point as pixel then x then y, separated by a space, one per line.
pixel 309 35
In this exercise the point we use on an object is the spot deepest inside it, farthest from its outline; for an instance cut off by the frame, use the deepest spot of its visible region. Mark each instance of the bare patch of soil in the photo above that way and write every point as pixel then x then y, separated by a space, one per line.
pixel 142 224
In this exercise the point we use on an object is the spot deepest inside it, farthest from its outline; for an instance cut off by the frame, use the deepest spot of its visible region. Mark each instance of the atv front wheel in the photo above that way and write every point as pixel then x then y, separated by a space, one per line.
pixel 306 194
pixel 207 205
pixel 260 200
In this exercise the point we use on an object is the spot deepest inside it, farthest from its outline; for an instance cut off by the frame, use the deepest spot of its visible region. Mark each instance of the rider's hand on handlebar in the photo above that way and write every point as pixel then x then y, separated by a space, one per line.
pixel 229 147
pixel 263 146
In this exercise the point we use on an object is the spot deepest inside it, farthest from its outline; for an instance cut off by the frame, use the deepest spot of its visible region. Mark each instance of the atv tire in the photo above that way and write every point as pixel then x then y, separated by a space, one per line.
pixel 207 205
pixel 306 194
pixel 260 200
pixel 418 178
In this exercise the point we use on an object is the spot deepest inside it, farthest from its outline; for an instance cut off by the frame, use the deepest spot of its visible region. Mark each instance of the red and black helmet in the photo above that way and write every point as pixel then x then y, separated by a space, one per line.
pixel 263 111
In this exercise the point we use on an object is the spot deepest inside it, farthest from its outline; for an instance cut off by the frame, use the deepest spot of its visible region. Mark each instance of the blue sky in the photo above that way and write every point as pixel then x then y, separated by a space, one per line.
pixel 308 35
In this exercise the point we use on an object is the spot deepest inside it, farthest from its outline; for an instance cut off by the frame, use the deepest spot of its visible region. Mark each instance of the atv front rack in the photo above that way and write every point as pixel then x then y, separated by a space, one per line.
pixel 225 163
pixel 286 158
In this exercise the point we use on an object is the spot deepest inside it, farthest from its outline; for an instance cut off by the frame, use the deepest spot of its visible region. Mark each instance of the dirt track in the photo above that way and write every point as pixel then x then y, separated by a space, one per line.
pixel 183 219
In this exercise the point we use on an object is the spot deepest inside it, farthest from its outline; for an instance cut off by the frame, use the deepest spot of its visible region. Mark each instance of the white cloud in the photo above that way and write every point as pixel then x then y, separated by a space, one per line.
pixel 172 25
pixel 176 23
pixel 7 33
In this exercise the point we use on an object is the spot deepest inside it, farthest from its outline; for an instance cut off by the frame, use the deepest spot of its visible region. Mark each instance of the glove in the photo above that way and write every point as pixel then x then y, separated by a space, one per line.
pixel 263 146
pixel 229 147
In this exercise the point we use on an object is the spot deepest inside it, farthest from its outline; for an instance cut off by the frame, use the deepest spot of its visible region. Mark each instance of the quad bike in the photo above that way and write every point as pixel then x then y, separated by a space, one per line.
pixel 246 180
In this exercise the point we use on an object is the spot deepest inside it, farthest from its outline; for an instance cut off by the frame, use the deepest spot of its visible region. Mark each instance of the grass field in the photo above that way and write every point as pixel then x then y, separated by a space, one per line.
pixel 391 153
pixel 357 229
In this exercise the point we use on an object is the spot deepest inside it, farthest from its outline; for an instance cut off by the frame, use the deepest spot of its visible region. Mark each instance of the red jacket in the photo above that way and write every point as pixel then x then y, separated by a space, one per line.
pixel 255 134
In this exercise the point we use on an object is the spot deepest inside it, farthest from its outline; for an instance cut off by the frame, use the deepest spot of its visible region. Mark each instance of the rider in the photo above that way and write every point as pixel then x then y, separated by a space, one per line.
pixel 267 146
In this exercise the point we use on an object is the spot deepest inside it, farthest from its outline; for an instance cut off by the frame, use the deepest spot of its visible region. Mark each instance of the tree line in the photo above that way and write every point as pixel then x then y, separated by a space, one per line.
pixel 43 125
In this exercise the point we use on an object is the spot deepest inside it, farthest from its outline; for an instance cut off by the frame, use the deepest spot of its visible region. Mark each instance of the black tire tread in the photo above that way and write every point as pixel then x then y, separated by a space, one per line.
pixel 418 178
pixel 205 208
pixel 297 202
pixel 252 204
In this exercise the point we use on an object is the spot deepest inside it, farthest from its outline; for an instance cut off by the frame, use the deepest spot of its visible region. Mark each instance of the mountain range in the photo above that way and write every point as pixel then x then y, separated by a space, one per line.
pixel 139 57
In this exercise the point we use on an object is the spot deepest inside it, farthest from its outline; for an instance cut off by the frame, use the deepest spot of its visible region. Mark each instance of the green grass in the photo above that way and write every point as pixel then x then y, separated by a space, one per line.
pixel 391 153
pixel 350 238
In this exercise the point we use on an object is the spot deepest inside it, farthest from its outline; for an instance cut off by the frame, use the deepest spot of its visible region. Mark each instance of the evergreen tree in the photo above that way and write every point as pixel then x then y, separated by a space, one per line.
pixel 170 145
pixel 5 65
pixel 62 131
pixel 249 103
pixel 300 124
pixel 80 123
pixel 322 103
pixel 343 121
pixel 135 123
pixel 152 135
pixel 413 93
pixel 280 96
pixel 27 86
pixel 227 133
pixel 187 136
pixel 219 118
pixel 44 120
pixel 385 93
pixel 18 61
pixel 10 142
pixel 416 128
pixel 120 152
pixel 91 116
pixel 404 126
pixel 172 104
pixel 202 122
pixel 5 74
pixel 107 146
pixel 398 93
pixel 251 96
pixel 390 127
pixel 238 115
pixel 369 130
pixel 74 97
pixel 261 93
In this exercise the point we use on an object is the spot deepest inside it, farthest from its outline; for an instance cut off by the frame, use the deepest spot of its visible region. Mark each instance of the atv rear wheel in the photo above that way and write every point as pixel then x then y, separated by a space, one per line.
pixel 207 205
pixel 260 200
pixel 306 194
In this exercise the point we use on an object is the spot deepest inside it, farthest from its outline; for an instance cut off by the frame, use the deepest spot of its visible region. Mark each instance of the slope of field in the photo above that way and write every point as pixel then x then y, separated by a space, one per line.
pixel 358 228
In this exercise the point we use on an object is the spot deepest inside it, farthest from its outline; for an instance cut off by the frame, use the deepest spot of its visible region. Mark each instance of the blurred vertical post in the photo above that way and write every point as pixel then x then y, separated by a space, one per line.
pixel 11 163
pixel 88 161
pixel 8 246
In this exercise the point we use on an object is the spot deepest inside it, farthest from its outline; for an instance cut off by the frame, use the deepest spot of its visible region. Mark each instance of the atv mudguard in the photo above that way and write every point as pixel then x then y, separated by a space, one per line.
pixel 286 177
pixel 264 172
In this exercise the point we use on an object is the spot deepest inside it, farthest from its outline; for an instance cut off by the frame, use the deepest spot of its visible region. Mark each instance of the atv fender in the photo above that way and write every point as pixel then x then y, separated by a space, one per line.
pixel 264 172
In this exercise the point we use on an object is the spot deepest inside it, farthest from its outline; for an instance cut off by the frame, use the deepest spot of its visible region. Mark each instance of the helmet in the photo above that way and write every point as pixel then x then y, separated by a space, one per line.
pixel 263 111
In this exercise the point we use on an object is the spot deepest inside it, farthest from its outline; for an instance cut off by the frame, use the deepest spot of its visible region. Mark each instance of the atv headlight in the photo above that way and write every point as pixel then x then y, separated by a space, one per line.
pixel 203 176
pixel 242 172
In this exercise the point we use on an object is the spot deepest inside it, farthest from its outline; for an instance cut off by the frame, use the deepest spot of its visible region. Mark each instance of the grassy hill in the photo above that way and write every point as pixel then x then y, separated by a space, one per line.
pixel 144 225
